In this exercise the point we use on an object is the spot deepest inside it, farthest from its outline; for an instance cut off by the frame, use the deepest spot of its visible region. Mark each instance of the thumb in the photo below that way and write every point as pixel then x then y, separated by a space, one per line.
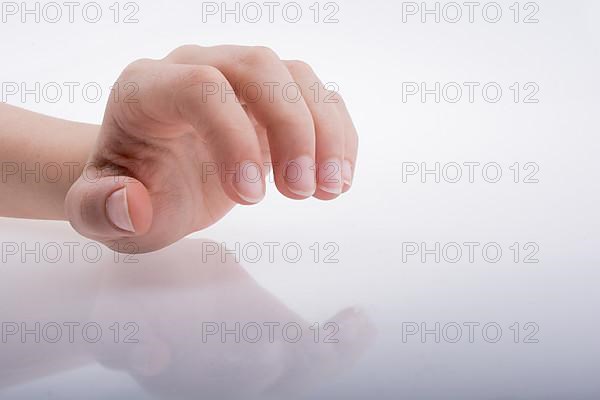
pixel 108 207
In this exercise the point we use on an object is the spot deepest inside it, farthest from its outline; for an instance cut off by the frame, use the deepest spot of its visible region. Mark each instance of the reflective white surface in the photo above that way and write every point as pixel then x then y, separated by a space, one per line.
pixel 172 296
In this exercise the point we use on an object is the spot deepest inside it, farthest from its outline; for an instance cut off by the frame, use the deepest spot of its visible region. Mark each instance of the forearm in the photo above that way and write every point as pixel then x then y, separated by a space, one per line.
pixel 40 158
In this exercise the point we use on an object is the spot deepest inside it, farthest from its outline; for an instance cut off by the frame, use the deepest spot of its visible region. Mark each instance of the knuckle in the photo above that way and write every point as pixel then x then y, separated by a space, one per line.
pixel 183 51
pixel 299 66
pixel 199 75
pixel 136 67
pixel 258 55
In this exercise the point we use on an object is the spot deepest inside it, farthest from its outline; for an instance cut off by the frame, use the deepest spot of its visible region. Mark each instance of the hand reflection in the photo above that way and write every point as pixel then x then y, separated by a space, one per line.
pixel 208 328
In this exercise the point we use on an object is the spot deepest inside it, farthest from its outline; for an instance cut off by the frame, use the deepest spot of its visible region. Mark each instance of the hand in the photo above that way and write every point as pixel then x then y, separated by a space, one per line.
pixel 179 151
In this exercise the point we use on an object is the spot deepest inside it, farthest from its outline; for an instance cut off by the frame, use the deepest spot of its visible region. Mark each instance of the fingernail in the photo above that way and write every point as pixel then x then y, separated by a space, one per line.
pixel 347 173
pixel 330 176
pixel 300 176
pixel 249 182
pixel 117 210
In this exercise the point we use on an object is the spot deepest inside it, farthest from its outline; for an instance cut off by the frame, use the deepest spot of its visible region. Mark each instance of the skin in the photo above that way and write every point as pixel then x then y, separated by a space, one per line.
pixel 183 147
